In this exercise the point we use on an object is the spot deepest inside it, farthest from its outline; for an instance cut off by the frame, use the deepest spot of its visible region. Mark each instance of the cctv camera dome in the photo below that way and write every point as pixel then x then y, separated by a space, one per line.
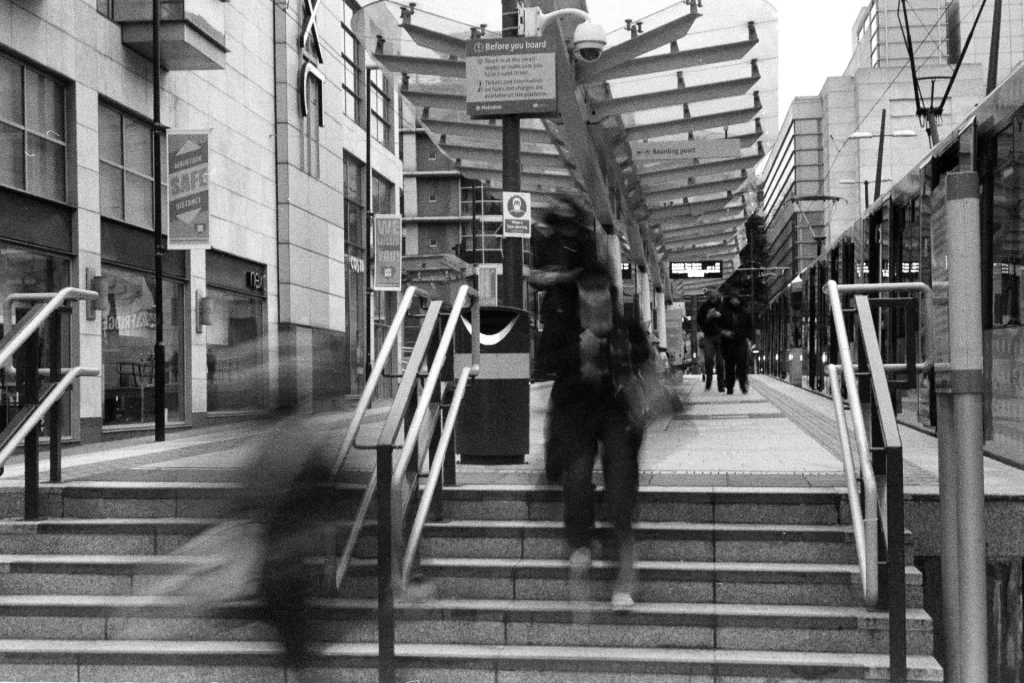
pixel 589 40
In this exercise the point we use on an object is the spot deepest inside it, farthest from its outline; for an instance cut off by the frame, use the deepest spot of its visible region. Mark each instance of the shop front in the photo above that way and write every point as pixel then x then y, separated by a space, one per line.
pixel 129 329
pixel 235 325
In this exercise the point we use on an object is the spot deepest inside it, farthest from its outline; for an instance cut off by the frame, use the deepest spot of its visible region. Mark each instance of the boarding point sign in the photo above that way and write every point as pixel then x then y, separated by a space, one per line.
pixel 510 76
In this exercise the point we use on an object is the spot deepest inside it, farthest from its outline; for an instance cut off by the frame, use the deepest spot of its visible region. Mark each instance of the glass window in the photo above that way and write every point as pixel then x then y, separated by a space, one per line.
pixel 383 195
pixel 126 168
pixel 355 198
pixel 310 147
pixel 382 108
pixel 33 146
pixel 236 351
pixel 129 333
pixel 28 271
pixel 352 68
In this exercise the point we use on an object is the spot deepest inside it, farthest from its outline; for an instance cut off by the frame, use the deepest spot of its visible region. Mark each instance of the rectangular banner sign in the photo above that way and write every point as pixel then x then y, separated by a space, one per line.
pixel 188 189
pixel 387 253
pixel 510 76
pixel 684 270
pixel 686 150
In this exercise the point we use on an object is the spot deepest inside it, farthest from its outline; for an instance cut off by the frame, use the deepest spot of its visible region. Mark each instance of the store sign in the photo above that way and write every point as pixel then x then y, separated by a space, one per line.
pixel 387 253
pixel 256 281
pixel 683 270
pixel 142 320
pixel 188 190
pixel 515 214
pixel 510 76
pixel 686 150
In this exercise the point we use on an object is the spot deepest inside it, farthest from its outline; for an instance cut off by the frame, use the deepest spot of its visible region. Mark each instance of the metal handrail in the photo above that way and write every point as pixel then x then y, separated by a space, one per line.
pixel 865 530
pixel 435 372
pixel 898 288
pixel 869 552
pixel 37 414
pixel 377 372
pixel 54 300
pixel 435 475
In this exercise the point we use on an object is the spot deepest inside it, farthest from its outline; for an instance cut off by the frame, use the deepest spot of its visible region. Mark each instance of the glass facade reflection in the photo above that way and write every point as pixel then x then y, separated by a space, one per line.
pixel 236 352
pixel 129 333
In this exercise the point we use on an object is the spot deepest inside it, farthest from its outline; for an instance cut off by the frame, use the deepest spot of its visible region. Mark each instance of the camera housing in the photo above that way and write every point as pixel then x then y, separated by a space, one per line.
pixel 589 41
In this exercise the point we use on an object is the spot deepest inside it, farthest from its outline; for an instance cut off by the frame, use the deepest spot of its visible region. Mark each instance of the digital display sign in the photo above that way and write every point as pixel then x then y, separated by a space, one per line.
pixel 682 270
pixel 627 271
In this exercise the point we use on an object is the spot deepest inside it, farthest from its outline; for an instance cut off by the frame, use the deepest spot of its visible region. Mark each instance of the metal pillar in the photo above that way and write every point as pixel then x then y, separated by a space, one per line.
pixel 966 384
pixel 659 302
pixel 54 417
pixel 881 152
pixel 159 363
pixel 511 179
pixel 369 230
pixel 950 550
pixel 385 567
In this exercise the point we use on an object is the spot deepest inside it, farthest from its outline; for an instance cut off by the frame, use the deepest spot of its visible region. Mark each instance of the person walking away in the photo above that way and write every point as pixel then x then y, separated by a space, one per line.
pixel 708 320
pixel 563 247
pixel 737 331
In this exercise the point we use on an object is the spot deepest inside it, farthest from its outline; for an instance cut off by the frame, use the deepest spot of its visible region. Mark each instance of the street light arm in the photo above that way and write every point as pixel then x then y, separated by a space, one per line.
pixel 532 21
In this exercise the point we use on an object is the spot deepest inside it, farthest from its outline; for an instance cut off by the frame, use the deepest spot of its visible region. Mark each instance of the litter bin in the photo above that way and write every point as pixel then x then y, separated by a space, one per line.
pixel 494 420
pixel 796 366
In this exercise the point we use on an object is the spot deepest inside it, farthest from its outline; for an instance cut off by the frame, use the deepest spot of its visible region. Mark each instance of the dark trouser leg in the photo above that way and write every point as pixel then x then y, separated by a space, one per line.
pixel 621 477
pixel 741 366
pixel 579 442
pixel 730 366
pixel 710 358
pixel 720 364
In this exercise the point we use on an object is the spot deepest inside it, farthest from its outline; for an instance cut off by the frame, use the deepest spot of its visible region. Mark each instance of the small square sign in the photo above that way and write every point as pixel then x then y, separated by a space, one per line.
pixel 515 210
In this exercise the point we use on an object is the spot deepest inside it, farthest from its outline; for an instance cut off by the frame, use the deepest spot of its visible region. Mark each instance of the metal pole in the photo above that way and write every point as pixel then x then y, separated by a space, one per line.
pixel 967 386
pixel 369 234
pixel 385 565
pixel 159 365
pixel 993 51
pixel 511 178
pixel 31 368
pixel 881 152
pixel 950 545
pixel 54 424
pixel 472 230
pixel 867 194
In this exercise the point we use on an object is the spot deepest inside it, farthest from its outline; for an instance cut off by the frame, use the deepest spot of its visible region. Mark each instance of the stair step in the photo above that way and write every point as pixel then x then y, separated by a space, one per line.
pixel 655 541
pixel 107 536
pixel 659 581
pixel 483 622
pixel 258 661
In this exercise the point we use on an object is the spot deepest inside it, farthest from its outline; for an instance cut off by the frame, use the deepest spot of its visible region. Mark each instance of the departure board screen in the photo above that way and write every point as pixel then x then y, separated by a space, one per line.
pixel 680 270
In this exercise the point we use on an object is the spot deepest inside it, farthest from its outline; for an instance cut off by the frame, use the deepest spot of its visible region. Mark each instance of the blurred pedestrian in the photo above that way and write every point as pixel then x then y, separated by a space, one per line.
pixel 708 320
pixel 563 247
pixel 737 332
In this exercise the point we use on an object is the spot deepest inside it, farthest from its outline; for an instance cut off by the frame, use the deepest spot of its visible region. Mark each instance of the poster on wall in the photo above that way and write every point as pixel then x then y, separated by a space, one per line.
pixel 188 190
pixel 387 253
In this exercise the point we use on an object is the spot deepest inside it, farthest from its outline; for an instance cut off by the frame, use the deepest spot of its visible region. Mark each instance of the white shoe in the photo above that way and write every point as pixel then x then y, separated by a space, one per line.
pixel 622 601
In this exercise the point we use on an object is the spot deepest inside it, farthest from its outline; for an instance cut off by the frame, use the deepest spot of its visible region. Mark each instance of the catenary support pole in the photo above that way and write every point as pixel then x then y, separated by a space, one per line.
pixel 966 384
pixel 993 49
pixel 368 261
pixel 881 153
pixel 159 364
pixel 950 543
pixel 511 179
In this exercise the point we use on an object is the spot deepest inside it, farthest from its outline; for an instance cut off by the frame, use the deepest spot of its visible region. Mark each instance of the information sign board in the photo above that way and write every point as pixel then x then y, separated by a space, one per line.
pixel 515 209
pixel 686 150
pixel 682 270
pixel 507 76
pixel 188 189
pixel 387 253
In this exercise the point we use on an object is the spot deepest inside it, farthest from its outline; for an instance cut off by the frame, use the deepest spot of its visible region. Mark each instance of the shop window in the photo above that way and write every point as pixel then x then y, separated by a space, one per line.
pixel 129 333
pixel 236 351
pixel 126 168
pixel 30 271
pixel 33 142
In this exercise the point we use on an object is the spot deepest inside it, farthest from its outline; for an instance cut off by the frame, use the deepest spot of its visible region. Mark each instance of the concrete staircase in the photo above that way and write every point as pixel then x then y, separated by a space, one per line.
pixel 739 584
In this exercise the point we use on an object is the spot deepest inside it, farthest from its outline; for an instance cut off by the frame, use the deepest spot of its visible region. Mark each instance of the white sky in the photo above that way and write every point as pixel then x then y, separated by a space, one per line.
pixel 814 35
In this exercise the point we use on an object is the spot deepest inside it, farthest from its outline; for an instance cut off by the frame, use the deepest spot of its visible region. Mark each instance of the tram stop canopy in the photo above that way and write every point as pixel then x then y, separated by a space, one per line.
pixel 659 136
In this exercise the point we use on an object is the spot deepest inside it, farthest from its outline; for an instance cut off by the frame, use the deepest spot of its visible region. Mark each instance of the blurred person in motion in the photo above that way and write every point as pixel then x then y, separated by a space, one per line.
pixel 586 344
pixel 709 321
pixel 737 332
pixel 563 247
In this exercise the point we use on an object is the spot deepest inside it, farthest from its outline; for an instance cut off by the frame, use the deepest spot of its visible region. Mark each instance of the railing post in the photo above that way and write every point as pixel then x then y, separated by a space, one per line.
pixel 30 368
pixel 385 568
pixel 54 419
pixel 896 565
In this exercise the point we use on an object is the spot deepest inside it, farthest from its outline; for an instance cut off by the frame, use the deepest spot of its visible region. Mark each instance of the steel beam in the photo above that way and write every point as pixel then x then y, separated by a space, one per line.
pixel 436 99
pixel 620 54
pixel 690 209
pixel 672 98
pixel 436 41
pixel 695 123
pixel 448 68
pixel 686 59
pixel 490 155
pixel 696 190
pixel 678 174
pixel 484 132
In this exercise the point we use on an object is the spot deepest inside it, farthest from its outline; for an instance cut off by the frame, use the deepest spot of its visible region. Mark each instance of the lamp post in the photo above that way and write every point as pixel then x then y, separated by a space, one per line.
pixel 369 228
pixel 881 135
pixel 159 363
